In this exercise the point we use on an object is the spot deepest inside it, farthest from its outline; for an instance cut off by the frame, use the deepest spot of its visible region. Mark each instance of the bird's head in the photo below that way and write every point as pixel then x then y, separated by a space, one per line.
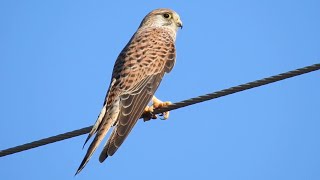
pixel 162 18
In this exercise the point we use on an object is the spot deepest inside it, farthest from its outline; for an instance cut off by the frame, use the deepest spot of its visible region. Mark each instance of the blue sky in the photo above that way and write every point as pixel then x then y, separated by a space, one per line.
pixel 56 58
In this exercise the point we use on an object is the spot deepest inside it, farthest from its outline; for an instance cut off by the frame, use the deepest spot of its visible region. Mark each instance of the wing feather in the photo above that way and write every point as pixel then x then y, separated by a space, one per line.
pixel 126 121
pixel 152 60
pixel 136 75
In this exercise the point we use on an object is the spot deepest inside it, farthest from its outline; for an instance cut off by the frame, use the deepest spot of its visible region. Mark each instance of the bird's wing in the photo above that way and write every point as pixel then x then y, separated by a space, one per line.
pixel 132 107
pixel 136 76
pixel 157 58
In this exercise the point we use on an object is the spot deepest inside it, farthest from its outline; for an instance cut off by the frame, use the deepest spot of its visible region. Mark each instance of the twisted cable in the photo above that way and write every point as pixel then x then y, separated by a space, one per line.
pixel 171 107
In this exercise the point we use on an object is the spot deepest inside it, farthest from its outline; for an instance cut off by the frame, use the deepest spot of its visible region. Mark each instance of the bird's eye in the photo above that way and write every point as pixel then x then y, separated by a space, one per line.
pixel 166 15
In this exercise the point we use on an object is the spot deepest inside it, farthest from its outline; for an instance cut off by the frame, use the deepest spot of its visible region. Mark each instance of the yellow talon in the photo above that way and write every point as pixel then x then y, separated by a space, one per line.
pixel 156 103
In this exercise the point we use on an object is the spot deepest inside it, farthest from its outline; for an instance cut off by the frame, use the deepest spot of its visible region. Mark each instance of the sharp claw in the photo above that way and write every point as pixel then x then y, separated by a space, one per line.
pixel 156 103
pixel 165 115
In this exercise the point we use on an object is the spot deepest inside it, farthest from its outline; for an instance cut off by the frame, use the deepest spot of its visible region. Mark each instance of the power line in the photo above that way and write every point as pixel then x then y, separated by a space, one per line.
pixel 173 106
pixel 242 87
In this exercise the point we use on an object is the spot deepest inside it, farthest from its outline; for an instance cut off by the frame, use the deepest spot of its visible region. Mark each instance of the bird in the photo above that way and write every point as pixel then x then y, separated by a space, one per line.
pixel 136 75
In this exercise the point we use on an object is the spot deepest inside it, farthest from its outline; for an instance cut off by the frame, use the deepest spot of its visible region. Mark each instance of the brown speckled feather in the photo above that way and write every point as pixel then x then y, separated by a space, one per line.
pixel 154 54
pixel 136 76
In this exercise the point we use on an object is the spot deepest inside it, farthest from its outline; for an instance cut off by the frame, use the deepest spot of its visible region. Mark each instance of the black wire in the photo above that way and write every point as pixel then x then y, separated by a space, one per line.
pixel 240 88
pixel 173 106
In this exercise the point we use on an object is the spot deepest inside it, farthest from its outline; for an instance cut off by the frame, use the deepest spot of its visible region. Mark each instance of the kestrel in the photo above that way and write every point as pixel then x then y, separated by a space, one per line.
pixel 136 75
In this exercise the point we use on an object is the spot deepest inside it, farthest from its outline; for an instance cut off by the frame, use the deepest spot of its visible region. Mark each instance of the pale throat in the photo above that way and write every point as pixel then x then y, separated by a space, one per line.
pixel 172 32
pixel 156 23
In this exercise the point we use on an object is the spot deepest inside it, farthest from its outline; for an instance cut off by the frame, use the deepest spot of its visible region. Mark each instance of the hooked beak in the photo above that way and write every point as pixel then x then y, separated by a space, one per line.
pixel 179 24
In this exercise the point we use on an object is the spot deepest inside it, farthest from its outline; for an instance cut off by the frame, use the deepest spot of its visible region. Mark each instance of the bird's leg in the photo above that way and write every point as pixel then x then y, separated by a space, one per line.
pixel 156 103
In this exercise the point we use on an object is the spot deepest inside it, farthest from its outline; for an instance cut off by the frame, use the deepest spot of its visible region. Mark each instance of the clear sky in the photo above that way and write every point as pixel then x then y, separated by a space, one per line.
pixel 56 58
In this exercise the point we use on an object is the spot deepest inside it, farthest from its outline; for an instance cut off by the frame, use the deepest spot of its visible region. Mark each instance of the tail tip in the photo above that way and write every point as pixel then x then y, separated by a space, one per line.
pixel 78 171
pixel 102 157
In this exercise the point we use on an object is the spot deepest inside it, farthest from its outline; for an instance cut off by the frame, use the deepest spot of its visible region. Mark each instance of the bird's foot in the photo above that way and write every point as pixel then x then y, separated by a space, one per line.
pixel 156 103
pixel 148 114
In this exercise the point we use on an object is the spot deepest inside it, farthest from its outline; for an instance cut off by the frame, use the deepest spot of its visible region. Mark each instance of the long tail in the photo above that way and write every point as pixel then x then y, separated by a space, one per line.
pixel 96 125
pixel 111 115
pixel 95 143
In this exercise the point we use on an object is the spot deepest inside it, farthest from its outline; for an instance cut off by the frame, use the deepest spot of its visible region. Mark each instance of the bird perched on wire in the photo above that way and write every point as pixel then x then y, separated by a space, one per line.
pixel 137 73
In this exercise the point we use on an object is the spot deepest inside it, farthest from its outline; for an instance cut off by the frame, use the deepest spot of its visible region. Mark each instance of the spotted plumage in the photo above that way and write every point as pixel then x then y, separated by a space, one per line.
pixel 137 73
